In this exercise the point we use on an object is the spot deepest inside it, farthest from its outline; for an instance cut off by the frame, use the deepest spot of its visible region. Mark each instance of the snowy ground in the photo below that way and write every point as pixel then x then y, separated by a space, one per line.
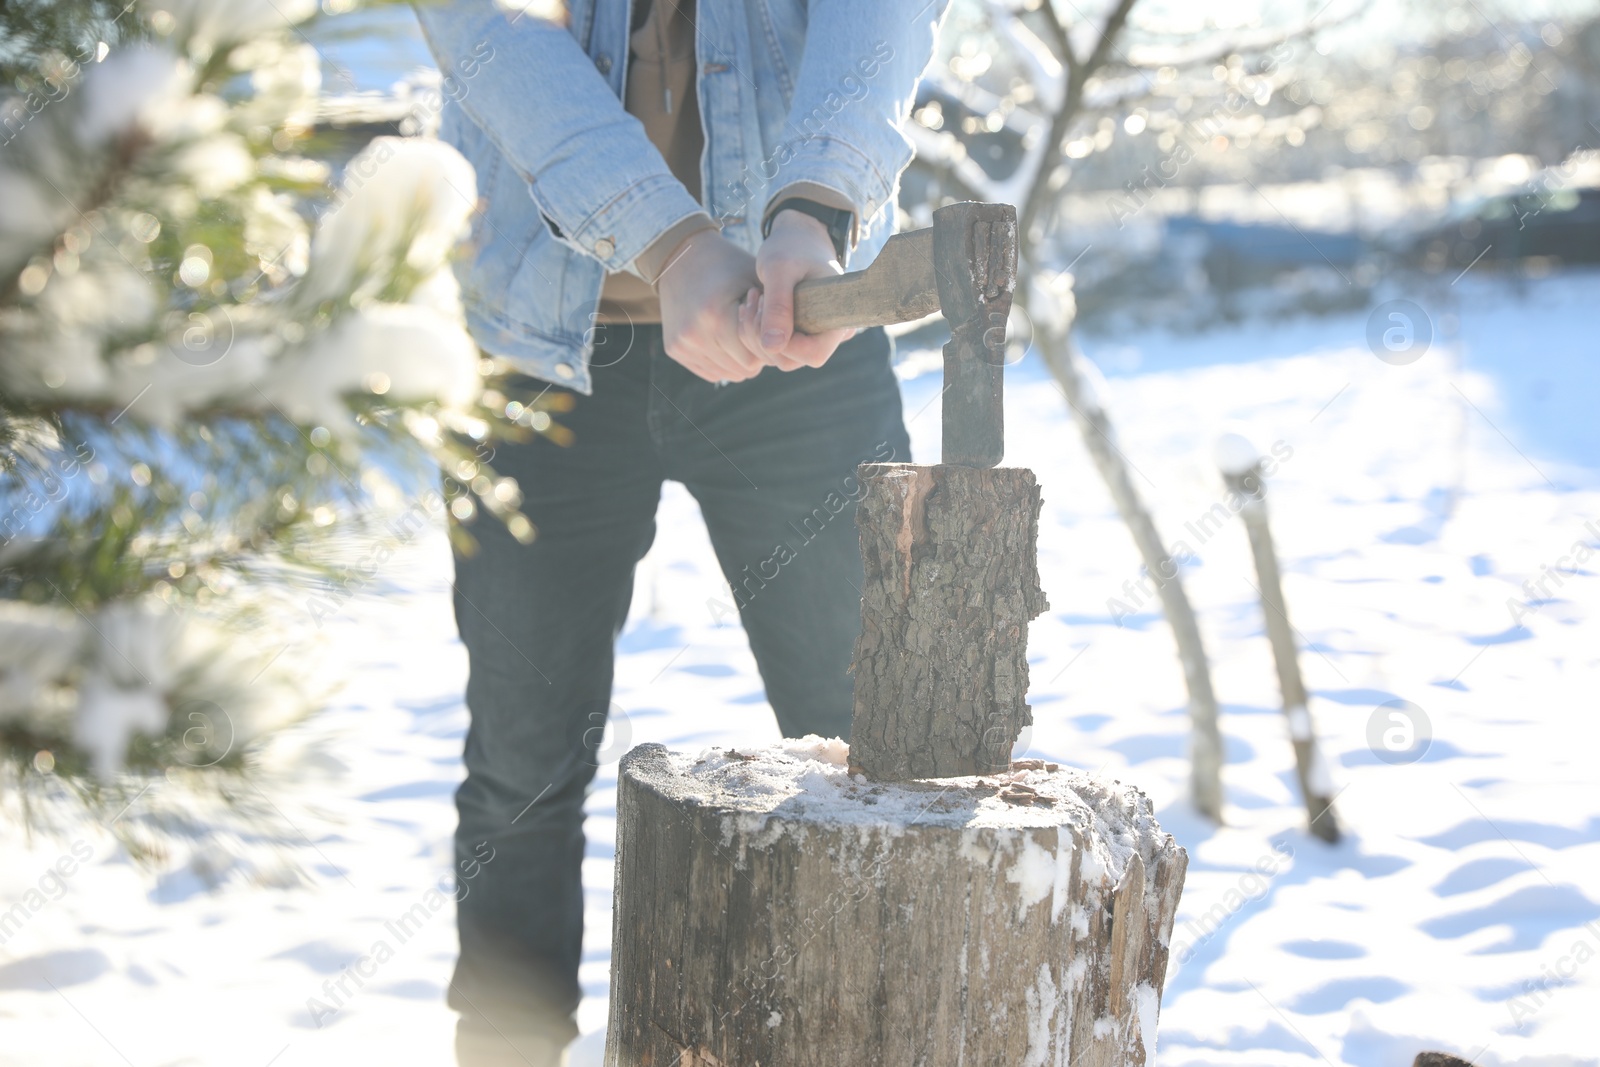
pixel 1416 502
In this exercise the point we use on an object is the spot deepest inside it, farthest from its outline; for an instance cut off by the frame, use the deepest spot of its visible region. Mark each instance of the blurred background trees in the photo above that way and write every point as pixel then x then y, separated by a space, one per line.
pixel 1185 166
pixel 1240 160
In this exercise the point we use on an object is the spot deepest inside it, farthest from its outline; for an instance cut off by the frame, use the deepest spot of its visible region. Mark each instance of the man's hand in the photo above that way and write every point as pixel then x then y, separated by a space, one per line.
pixel 700 288
pixel 797 248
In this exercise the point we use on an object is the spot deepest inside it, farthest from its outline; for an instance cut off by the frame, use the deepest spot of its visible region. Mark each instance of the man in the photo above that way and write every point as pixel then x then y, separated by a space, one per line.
pixel 656 179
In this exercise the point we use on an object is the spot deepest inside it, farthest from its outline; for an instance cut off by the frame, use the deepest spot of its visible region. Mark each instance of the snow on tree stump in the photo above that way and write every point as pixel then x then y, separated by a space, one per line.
pixel 951 580
pixel 773 909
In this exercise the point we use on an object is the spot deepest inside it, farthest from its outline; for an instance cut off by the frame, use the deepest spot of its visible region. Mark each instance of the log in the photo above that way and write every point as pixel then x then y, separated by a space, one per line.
pixel 772 909
pixel 951 581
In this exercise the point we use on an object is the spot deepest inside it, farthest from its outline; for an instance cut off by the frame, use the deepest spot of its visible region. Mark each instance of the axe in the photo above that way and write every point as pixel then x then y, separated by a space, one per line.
pixel 965 266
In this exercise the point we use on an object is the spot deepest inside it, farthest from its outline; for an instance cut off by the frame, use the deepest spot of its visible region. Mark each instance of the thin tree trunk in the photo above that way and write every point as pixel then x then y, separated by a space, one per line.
pixel 1098 436
pixel 1205 737
pixel 1316 785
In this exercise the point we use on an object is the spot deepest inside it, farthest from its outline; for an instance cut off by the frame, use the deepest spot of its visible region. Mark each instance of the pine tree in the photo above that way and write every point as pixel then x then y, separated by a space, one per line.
pixel 216 358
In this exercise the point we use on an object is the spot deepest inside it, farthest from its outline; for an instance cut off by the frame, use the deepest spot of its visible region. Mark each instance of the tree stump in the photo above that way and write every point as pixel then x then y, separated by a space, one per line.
pixel 773 909
pixel 951 582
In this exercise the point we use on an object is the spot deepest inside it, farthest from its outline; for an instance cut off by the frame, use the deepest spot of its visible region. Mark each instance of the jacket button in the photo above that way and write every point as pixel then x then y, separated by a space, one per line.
pixel 564 370
pixel 604 247
pixel 602 63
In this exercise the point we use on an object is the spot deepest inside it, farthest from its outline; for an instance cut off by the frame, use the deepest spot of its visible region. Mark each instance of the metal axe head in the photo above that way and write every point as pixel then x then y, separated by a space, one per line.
pixel 964 266
pixel 975 269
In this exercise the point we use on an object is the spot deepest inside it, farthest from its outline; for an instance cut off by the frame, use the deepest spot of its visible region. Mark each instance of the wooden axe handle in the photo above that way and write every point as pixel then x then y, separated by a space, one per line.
pixel 898 286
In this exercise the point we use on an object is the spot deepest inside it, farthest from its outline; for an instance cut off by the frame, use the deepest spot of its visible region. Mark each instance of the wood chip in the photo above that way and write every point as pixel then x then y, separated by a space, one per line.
pixel 1017 793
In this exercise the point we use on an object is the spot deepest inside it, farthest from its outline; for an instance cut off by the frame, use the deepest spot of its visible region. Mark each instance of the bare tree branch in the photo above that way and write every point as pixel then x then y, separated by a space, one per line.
pixel 1058 31
pixel 1108 38
pixel 1207 52
pixel 1078 74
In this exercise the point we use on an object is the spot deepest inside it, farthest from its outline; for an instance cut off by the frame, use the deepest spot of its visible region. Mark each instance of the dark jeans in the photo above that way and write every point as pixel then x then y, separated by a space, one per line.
pixel 771 462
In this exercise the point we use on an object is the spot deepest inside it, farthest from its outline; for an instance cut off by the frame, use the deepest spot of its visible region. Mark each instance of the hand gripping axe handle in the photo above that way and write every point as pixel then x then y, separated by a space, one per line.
pixel 964 266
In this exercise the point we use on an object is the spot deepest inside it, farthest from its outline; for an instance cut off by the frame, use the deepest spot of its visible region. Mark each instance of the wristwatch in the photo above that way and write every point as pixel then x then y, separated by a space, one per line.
pixel 839 223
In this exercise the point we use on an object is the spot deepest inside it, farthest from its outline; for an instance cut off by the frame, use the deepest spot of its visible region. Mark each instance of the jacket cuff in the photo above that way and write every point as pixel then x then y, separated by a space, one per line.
pixel 652 262
pixel 618 232
pixel 825 195
pixel 837 165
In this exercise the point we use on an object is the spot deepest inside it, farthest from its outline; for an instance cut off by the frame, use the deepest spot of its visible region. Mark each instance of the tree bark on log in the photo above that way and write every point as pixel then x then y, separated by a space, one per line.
pixel 950 559
pixel 774 910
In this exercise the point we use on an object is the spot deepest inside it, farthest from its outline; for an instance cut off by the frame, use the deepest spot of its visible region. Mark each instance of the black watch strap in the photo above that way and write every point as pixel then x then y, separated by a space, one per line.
pixel 838 222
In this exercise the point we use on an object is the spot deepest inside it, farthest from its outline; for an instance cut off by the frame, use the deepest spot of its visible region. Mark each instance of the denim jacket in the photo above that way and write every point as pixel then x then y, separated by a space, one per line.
pixel 790 91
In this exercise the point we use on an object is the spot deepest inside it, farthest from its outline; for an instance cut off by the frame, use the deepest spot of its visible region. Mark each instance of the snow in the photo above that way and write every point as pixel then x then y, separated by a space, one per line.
pixel 218 22
pixel 1299 722
pixel 1044 1002
pixel 1412 506
pixel 134 84
pixel 399 196
pixel 109 717
pixel 415 351
pixel 1319 776
pixel 788 778
pixel 1039 872
pixel 793 786
pixel 1235 454
pixel 1147 1006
